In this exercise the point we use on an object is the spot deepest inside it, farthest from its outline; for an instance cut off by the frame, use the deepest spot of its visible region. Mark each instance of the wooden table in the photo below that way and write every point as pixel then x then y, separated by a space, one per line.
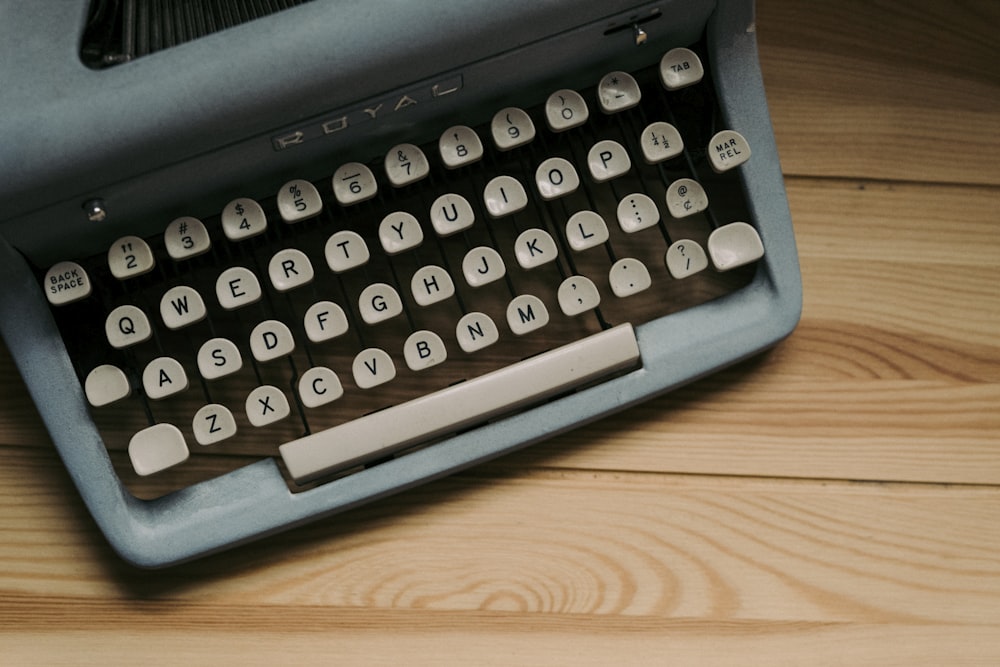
pixel 836 501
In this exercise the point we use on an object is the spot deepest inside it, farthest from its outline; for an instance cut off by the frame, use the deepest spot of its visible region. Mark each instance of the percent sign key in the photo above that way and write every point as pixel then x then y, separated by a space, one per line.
pixel 299 200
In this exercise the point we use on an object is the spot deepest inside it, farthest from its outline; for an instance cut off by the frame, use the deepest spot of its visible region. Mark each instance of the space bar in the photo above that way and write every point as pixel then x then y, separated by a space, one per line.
pixel 459 406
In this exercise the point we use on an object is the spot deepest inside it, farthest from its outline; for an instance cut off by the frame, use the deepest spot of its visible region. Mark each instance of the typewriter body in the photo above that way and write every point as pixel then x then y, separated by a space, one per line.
pixel 422 234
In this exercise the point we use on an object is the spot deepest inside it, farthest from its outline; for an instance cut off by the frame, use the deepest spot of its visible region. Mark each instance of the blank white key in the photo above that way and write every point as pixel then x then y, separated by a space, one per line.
pixel 372 367
pixel 266 405
pixel 424 349
pixel 556 178
pixel 157 448
pixel 578 294
pixel 483 265
pixel 325 320
pixel 686 197
pixel 660 141
pixel 535 247
pixel 353 183
pixel 237 287
pixel 586 229
pixel 679 68
pixel 346 250
pixel 400 231
pixel 127 325
pixel 459 146
pixel 431 284
pixel 319 386
pixel 511 127
pixel 271 339
pixel 451 213
pixel 162 377
pixel 728 150
pixel 105 385
pixel 618 91
pixel 243 218
pixel 213 423
pixel 218 357
pixel 565 109
pixel 476 331
pixel 66 282
pixel 182 306
pixel 379 302
pixel 629 276
pixel 405 164
pixel 186 237
pixel 733 245
pixel 504 195
pixel 299 200
pixel 608 159
pixel 461 406
pixel 685 258
pixel 637 211
pixel 130 256
pixel 289 268
pixel 526 313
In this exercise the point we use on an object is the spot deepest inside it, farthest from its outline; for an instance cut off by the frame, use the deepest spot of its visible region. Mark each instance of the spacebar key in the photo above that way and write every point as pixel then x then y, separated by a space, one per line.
pixel 462 405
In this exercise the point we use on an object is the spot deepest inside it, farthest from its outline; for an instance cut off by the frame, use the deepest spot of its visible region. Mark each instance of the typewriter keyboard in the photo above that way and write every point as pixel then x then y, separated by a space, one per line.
pixel 334 324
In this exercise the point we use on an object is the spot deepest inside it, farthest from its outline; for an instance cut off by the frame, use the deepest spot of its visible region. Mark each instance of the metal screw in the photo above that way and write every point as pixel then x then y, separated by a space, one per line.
pixel 96 212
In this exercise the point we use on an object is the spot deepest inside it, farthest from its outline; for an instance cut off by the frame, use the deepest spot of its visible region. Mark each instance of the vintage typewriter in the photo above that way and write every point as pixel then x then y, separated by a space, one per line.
pixel 266 261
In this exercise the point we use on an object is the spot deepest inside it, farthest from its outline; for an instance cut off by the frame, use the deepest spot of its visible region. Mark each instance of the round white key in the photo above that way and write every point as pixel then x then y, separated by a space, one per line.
pixel 181 306
pixel 130 256
pixel 319 386
pixel 431 284
pixel 299 200
pixel 271 339
pixel 637 211
pixel 237 287
pixel 289 268
pixel 127 325
pixel 733 245
pixel 105 385
pixel 512 127
pixel 556 178
pixel 629 276
pixel 685 258
pixel 243 218
pixel 400 231
pixel 218 357
pixel 476 331
pixel 565 109
pixel 526 313
pixel 353 183
pixel 266 405
pixel 213 423
pixel 504 195
pixel 660 141
pixel 679 68
pixel 424 349
pixel 482 265
pixel 535 247
pixel 405 164
pixel 346 250
pixel 157 448
pixel 451 213
pixel 728 150
pixel 578 294
pixel 372 367
pixel 608 159
pixel 66 282
pixel 186 237
pixel 459 146
pixel 162 377
pixel 586 229
pixel 379 302
pixel 618 91
pixel 324 320
pixel 686 197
